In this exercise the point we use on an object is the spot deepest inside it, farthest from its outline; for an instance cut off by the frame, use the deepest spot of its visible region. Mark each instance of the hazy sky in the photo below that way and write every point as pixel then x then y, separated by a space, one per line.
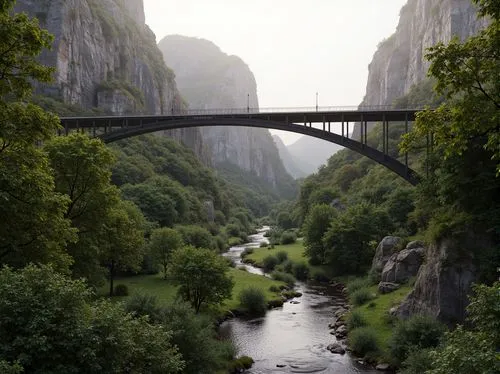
pixel 295 48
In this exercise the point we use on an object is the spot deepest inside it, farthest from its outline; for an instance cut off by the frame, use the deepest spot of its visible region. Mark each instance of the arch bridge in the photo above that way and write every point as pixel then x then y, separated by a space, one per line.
pixel 113 128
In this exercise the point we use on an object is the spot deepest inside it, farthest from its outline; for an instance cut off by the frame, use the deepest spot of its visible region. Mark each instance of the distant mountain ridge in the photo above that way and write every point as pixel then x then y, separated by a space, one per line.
pixel 310 153
pixel 208 78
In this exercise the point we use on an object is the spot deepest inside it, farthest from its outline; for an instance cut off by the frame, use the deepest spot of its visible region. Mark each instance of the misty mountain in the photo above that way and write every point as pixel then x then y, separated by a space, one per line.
pixel 310 153
pixel 208 78
pixel 288 160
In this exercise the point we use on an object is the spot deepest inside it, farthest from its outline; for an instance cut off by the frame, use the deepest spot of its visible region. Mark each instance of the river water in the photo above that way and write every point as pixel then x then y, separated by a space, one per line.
pixel 294 336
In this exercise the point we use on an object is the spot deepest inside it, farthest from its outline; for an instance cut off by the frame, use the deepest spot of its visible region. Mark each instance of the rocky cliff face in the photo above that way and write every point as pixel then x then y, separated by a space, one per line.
pixel 106 57
pixel 210 79
pixel 399 61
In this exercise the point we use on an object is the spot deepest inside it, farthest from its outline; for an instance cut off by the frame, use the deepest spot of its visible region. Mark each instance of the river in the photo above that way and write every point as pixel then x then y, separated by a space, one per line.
pixel 295 335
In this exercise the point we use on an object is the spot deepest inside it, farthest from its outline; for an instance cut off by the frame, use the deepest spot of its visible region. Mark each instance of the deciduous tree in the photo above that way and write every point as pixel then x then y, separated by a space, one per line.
pixel 161 245
pixel 202 276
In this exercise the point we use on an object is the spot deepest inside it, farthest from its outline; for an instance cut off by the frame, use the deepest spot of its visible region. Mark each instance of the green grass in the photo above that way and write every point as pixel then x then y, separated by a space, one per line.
pixel 166 292
pixel 295 252
pixel 376 316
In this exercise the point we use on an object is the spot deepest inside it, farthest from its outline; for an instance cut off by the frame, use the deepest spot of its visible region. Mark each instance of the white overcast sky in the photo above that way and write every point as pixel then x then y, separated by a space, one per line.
pixel 295 48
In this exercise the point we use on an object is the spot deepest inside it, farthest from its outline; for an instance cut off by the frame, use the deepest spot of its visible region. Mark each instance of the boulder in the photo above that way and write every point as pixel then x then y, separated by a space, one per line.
pixel 341 331
pixel 444 281
pixel 403 265
pixel 384 250
pixel 382 367
pixel 336 348
pixel 386 287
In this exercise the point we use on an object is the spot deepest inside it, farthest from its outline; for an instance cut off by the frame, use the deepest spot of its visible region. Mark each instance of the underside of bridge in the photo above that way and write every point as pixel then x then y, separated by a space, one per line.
pixel 113 131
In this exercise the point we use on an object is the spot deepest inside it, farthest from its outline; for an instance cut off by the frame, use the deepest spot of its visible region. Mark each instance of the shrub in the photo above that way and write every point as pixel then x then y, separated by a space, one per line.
pixel 288 238
pixel 356 284
pixel 282 256
pixel 301 271
pixel 121 290
pixel 418 361
pixel 263 244
pixel 287 266
pixel 355 320
pixel 275 303
pixel 246 252
pixel 269 263
pixel 143 304
pixel 363 341
pixel 372 305
pixel 361 296
pixel 320 276
pixel 274 288
pixel 417 331
pixel 234 241
pixel 283 277
pixel 253 301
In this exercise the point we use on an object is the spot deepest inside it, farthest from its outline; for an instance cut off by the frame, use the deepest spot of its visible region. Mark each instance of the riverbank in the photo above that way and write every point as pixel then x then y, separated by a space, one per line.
pixel 166 292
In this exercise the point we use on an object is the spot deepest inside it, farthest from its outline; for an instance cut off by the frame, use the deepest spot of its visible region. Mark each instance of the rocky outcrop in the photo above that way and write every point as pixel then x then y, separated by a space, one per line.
pixel 443 283
pixel 106 57
pixel 399 61
pixel 385 249
pixel 210 79
pixel 403 265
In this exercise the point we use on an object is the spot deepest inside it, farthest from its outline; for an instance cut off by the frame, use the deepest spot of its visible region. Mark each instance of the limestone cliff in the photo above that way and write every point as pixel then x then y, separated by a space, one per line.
pixel 106 57
pixel 210 79
pixel 399 61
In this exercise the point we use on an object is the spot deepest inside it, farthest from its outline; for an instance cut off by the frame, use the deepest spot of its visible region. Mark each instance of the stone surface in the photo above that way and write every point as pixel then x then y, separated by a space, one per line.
pixel 384 251
pixel 209 79
pixel 403 265
pixel 387 287
pixel 398 63
pixel 382 367
pixel 336 348
pixel 443 282
pixel 106 57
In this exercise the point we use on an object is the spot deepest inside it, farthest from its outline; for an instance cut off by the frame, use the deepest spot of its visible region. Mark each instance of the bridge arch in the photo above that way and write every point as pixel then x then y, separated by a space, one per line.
pixel 389 162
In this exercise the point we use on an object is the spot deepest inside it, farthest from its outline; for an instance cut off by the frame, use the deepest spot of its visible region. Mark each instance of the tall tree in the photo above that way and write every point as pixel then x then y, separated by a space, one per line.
pixel 161 245
pixel 32 225
pixel 201 275
pixel 122 246
pixel 82 168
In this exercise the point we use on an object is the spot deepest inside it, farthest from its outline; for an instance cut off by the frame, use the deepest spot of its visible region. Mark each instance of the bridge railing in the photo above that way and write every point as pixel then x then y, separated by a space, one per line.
pixel 248 110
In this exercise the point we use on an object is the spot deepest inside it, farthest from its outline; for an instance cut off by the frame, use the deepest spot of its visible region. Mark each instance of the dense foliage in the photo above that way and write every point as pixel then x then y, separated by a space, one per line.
pixel 48 323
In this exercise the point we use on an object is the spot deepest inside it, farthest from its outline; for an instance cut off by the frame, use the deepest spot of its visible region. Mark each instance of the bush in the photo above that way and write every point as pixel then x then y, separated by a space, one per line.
pixel 121 290
pixel 363 341
pixel 356 284
pixel 288 238
pixel 234 241
pixel 417 362
pixel 355 320
pixel 246 252
pixel 263 244
pixel 288 266
pixel 242 268
pixel 274 288
pixel 320 276
pixel 283 277
pixel 301 271
pixel 417 331
pixel 275 303
pixel 282 256
pixel 269 263
pixel 143 304
pixel 361 296
pixel 253 301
